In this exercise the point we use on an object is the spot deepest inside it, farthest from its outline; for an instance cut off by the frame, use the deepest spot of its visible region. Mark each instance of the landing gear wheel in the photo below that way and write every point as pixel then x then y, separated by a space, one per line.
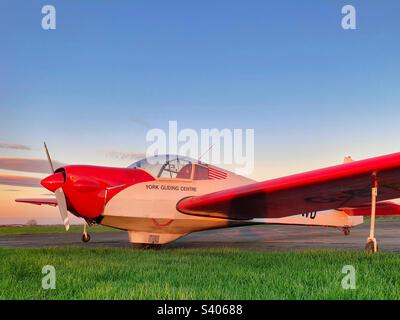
pixel 371 246
pixel 346 231
pixel 85 237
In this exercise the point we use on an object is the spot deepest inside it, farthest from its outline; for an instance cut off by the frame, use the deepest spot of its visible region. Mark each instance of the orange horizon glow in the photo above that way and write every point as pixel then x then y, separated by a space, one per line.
pixel 267 166
pixel 19 213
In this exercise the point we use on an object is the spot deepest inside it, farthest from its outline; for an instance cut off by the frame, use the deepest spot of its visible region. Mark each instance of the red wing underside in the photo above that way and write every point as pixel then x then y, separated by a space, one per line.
pixel 343 186
pixel 48 201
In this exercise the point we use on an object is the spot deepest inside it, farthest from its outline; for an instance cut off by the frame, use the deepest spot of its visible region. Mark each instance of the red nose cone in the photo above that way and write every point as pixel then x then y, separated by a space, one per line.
pixel 53 182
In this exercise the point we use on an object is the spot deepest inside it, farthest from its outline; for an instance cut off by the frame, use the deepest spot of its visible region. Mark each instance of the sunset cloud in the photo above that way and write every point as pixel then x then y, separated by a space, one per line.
pixel 28 165
pixel 140 121
pixel 20 181
pixel 15 146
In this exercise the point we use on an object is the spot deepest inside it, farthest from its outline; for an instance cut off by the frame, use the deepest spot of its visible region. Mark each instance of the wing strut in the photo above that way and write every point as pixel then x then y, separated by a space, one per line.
pixel 372 244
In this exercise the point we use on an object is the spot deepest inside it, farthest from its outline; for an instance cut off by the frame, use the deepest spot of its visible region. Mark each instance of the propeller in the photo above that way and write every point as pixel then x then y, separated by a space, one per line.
pixel 59 193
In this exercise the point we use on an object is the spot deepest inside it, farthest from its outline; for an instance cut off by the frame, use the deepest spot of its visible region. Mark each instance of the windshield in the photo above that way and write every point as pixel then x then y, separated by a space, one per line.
pixel 166 166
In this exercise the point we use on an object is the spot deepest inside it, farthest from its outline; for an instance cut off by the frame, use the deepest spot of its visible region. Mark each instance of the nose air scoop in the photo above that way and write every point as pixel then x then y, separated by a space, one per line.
pixel 53 182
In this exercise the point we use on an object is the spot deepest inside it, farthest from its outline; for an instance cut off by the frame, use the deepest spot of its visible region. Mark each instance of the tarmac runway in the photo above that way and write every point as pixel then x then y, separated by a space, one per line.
pixel 270 238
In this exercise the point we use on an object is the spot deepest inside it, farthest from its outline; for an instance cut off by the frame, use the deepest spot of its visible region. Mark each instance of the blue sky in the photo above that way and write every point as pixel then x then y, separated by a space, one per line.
pixel 111 70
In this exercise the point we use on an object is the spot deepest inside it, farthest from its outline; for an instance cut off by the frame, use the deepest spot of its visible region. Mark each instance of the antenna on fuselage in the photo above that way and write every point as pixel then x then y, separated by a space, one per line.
pixel 205 152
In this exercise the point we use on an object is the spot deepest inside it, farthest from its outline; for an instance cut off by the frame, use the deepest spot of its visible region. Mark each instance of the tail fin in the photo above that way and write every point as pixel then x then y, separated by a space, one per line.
pixel 348 159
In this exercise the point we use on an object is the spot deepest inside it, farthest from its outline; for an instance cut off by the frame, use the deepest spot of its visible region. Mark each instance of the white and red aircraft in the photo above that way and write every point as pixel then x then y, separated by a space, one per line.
pixel 160 199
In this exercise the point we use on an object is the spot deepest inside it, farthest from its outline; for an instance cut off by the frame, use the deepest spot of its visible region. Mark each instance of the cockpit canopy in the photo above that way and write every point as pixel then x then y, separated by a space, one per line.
pixel 175 167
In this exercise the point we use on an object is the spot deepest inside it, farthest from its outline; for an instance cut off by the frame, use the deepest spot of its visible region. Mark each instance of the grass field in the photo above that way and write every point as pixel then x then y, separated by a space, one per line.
pixel 13 230
pixel 124 273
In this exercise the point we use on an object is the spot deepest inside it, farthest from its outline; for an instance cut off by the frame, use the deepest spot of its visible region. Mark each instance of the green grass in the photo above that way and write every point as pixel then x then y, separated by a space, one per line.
pixel 13 230
pixel 124 273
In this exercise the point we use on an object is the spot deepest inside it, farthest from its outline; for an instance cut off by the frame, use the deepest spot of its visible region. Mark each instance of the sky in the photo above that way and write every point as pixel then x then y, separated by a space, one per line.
pixel 111 70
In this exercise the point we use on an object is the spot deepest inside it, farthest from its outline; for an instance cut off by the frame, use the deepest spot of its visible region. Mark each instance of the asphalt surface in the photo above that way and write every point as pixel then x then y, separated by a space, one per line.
pixel 270 238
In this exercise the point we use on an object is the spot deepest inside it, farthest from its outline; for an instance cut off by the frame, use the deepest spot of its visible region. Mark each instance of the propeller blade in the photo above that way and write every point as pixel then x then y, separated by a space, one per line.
pixel 48 158
pixel 62 206
pixel 61 202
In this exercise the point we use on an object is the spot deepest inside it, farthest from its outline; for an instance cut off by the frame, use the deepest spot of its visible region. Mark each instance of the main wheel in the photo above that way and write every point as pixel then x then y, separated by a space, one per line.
pixel 346 231
pixel 86 237
pixel 369 247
